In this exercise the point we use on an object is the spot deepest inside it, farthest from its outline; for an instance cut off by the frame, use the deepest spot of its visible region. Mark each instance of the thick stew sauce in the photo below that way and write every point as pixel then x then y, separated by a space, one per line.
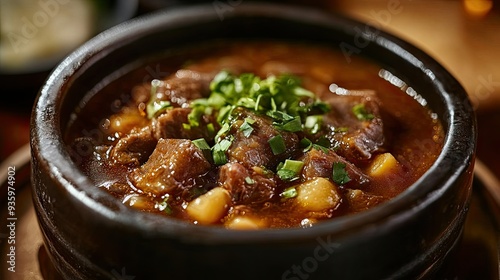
pixel 250 135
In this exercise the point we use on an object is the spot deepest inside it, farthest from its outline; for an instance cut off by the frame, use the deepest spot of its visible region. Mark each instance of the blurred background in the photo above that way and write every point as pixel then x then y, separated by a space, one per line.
pixel 463 35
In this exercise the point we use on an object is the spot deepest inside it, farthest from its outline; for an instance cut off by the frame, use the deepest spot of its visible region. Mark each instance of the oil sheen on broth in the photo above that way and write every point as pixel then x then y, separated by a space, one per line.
pixel 250 135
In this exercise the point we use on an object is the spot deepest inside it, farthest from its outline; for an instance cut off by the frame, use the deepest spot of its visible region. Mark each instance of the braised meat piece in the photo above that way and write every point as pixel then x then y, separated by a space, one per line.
pixel 319 164
pixel 254 149
pixel 184 86
pixel 135 148
pixel 246 186
pixel 359 200
pixel 358 137
pixel 171 125
pixel 172 168
pixel 179 88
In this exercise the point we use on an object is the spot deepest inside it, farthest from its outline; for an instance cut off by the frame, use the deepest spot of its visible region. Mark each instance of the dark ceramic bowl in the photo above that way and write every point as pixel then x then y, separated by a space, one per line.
pixel 90 235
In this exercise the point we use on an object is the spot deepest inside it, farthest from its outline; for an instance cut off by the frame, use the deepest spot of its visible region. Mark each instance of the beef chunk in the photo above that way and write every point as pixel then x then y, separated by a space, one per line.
pixel 179 88
pixel 246 185
pixel 363 137
pixel 171 125
pixel 319 164
pixel 172 168
pixel 359 200
pixel 182 88
pixel 254 150
pixel 135 148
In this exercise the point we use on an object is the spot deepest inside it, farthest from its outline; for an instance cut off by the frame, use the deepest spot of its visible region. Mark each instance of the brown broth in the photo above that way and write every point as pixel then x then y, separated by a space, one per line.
pixel 417 136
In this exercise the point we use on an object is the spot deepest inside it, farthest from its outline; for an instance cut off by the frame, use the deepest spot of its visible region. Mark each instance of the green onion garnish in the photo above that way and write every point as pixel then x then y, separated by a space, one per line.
pixel 246 127
pixel 277 144
pixel 289 170
pixel 360 112
pixel 203 146
pixel 219 151
pixel 289 192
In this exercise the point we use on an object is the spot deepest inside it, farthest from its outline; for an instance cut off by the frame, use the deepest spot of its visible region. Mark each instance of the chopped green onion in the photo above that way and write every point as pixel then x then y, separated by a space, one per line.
pixel 281 98
pixel 223 130
pixel 211 129
pixel 219 151
pixel 341 129
pixel 249 181
pixel 277 144
pixel 203 146
pixel 246 127
pixel 195 116
pixel 156 107
pixel 339 174
pixel 289 192
pixel 164 206
pixel 323 141
pixel 286 175
pixel 280 116
pixel 294 125
pixel 289 170
pixel 306 144
pixel 360 112
pixel 313 123
pixel 294 165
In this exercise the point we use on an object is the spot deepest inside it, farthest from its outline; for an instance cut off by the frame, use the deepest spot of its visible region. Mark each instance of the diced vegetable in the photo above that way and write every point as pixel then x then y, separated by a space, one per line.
pixel 138 202
pixel 289 192
pixel 360 112
pixel 219 151
pixel 281 98
pixel 155 106
pixel 382 164
pixel 243 222
pixel 317 195
pixel 289 170
pixel 210 207
pixel 277 144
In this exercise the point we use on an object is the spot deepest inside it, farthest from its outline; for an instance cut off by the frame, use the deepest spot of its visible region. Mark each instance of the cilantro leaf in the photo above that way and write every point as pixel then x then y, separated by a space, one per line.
pixel 339 174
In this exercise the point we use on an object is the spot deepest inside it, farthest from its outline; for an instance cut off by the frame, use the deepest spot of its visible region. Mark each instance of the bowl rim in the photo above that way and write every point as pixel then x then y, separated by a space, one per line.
pixel 456 156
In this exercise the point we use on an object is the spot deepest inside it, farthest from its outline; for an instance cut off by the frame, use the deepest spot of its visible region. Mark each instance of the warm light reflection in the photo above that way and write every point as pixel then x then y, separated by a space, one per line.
pixel 478 8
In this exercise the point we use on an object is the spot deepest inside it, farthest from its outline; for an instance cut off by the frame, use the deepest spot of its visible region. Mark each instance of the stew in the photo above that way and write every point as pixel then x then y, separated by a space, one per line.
pixel 250 135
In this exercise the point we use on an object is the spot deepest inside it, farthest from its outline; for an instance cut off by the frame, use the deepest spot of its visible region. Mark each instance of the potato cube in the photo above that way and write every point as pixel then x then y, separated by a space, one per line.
pixel 317 195
pixel 382 164
pixel 243 223
pixel 210 207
